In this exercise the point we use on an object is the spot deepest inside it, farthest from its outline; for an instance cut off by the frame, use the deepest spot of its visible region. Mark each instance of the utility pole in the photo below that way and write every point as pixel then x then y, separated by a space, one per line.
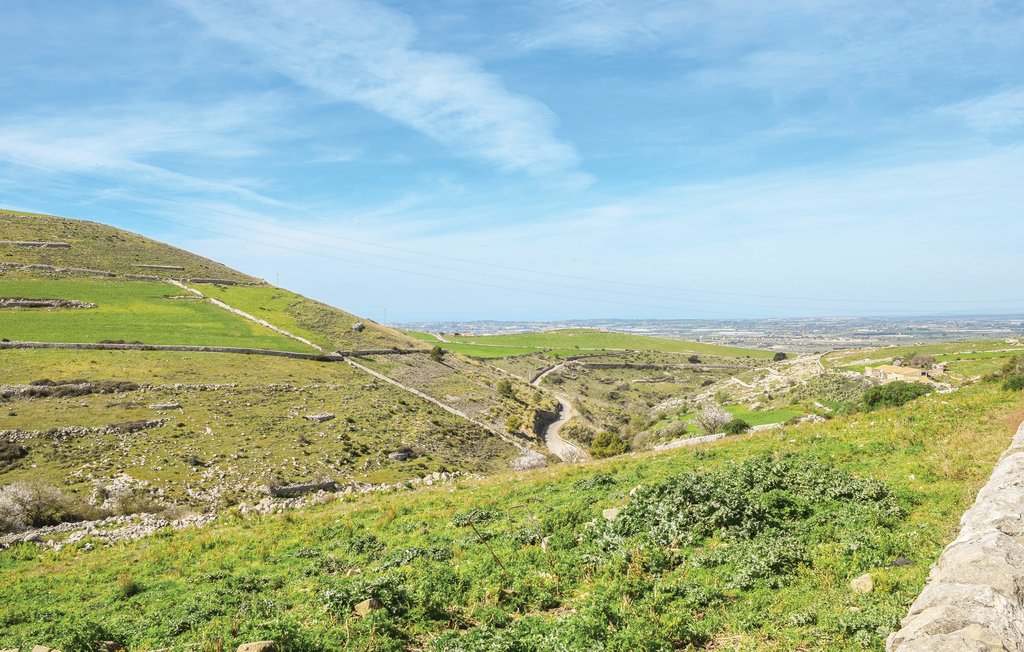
pixel 385 315
pixel 278 281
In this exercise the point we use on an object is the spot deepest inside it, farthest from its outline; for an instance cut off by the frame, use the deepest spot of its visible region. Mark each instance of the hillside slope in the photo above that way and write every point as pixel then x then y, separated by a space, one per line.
pixel 198 428
pixel 747 544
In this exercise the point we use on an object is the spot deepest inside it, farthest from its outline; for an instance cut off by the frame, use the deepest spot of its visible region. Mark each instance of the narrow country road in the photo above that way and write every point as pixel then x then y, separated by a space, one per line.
pixel 564 450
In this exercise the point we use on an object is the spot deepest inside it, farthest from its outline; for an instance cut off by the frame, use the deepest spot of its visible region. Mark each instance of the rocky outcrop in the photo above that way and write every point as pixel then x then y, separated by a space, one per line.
pixel 974 599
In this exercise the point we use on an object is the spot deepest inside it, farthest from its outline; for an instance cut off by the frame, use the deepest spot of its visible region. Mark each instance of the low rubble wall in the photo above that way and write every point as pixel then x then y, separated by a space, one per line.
pixel 974 598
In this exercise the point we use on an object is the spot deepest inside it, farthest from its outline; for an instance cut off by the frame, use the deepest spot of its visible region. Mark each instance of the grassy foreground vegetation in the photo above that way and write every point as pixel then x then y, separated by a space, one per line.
pixel 746 544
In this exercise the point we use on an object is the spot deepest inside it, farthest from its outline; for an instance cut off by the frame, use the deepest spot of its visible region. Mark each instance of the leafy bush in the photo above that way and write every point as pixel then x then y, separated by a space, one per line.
pixel 578 432
pixel 894 394
pixel 505 388
pixel 607 444
pixel 693 359
pixel 10 452
pixel 437 353
pixel 736 427
pixel 761 512
pixel 1014 383
pixel 780 356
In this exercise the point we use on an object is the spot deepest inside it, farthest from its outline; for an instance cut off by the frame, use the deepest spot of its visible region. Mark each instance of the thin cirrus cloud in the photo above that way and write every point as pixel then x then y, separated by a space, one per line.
pixel 134 145
pixel 996 113
pixel 362 52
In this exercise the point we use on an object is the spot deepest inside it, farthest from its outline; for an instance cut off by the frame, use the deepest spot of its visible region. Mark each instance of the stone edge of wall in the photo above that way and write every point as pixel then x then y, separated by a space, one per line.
pixel 974 597
pixel 336 356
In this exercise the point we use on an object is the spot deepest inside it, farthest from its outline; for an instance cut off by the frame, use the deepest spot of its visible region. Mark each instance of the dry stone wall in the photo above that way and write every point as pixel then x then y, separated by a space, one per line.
pixel 974 598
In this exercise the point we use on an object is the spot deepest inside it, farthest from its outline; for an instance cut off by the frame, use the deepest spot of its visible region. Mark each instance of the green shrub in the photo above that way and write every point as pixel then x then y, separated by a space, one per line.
pixel 1014 383
pixel 437 353
pixel 832 387
pixel 894 394
pixel 780 356
pixel 607 444
pixel 505 388
pixel 736 427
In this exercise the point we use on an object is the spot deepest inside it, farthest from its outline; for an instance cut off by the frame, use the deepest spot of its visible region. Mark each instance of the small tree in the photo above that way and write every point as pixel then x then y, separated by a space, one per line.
pixel 780 356
pixel 922 361
pixel 736 427
pixel 436 353
pixel 607 444
pixel 712 418
pixel 693 359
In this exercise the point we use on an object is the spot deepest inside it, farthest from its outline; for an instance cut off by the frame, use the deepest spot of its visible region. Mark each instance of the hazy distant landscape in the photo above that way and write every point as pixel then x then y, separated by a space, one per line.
pixel 796 334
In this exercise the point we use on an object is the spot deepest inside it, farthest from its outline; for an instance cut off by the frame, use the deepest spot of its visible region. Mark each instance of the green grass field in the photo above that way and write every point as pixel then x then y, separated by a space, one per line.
pixel 942 351
pixel 562 343
pixel 444 586
pixel 130 311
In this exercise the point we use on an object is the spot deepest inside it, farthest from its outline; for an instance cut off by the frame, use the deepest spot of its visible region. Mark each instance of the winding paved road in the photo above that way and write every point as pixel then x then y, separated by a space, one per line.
pixel 564 450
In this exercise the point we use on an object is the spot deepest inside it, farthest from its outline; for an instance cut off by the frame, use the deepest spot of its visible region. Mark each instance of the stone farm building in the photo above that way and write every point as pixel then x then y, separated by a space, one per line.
pixel 888 373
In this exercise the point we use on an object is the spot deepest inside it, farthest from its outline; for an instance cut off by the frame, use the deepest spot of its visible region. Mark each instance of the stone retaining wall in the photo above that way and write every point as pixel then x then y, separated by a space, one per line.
pixel 337 356
pixel 974 598
pixel 26 243
pixel 632 365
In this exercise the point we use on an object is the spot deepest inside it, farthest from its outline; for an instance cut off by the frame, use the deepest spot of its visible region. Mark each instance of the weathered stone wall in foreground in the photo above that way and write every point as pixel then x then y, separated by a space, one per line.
pixel 974 598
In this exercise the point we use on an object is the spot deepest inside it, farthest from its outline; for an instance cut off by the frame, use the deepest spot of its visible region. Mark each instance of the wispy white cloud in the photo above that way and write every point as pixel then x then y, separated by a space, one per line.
pixel 992 114
pixel 130 144
pixel 364 52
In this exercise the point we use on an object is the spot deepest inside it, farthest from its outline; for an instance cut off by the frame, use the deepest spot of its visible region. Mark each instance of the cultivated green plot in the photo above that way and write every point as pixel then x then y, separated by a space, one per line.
pixel 129 311
pixel 325 325
pixel 583 339
pixel 799 514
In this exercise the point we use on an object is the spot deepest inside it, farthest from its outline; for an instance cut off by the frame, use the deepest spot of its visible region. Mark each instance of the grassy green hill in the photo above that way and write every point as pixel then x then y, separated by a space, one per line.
pixel 88 418
pixel 100 247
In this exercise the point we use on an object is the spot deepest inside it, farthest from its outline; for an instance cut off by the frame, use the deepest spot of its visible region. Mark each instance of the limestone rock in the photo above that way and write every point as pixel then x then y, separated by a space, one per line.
pixel 366 606
pixel 358 327
pixel 862 584
pixel 165 406
pixel 529 460
pixel 258 646
pixel 319 418
pixel 610 514
pixel 43 648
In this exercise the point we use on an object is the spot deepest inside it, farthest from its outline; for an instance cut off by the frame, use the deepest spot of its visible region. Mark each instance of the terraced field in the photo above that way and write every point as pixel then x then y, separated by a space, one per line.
pixel 148 312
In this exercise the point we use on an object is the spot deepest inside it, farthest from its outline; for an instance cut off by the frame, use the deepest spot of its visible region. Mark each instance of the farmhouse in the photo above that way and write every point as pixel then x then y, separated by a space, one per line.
pixel 888 373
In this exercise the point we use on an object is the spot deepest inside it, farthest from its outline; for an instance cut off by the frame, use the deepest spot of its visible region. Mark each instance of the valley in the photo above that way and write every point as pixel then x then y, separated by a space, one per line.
pixel 208 460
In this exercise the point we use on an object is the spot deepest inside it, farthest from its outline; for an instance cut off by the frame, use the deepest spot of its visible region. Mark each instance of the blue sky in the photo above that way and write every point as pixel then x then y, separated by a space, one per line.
pixel 541 160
